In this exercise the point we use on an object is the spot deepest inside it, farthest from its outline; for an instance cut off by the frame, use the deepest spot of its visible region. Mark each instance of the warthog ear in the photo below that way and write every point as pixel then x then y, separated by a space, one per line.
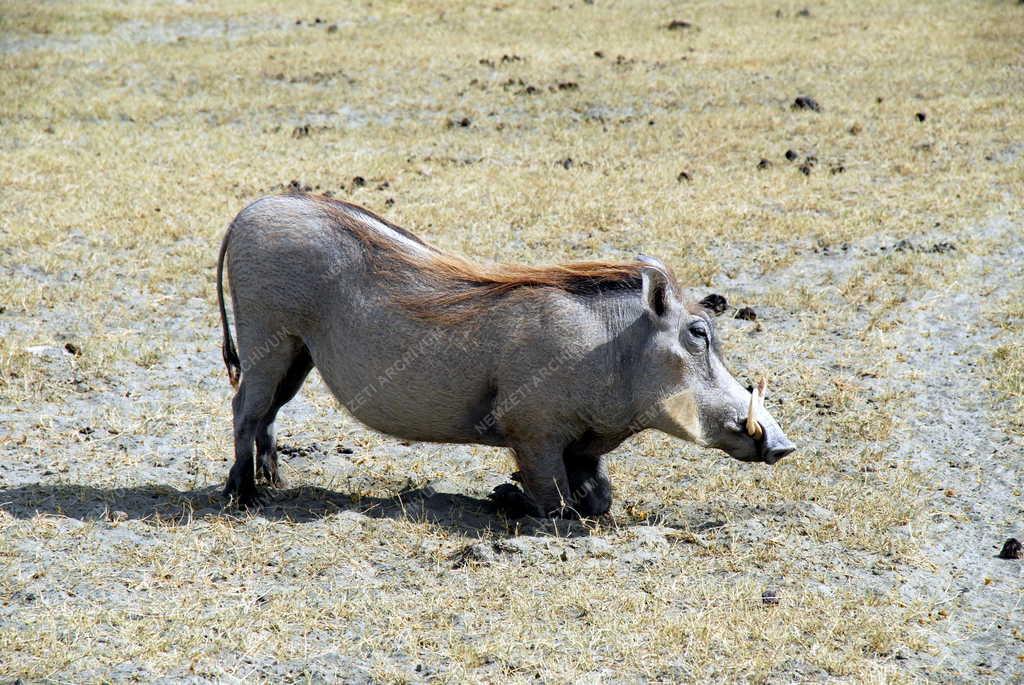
pixel 657 286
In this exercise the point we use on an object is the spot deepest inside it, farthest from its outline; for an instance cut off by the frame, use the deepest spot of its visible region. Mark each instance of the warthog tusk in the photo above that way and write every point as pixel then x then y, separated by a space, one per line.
pixel 754 429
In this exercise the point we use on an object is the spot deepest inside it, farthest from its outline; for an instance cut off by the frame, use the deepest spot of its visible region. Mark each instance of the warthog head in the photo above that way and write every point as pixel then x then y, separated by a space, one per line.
pixel 698 399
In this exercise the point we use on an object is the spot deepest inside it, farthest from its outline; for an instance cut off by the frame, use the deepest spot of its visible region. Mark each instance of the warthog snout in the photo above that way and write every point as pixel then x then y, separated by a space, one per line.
pixel 772 444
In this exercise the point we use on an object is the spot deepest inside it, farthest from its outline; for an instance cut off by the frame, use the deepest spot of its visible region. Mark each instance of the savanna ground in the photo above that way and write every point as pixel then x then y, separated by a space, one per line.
pixel 888 282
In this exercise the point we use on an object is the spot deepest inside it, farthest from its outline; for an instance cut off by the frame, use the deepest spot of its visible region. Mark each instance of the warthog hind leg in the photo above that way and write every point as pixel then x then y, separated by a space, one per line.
pixel 266 435
pixel 265 368
pixel 249 404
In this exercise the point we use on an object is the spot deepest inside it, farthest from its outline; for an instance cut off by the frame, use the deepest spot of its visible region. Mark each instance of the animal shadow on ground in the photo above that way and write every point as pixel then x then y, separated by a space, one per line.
pixel 157 504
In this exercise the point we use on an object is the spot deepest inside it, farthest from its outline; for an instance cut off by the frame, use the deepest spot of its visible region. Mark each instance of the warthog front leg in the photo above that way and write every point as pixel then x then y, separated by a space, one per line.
pixel 544 479
pixel 589 488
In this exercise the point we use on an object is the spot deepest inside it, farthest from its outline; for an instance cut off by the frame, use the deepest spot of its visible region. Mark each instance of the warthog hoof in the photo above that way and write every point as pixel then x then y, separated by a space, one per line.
pixel 245 495
pixel 269 474
pixel 512 502
pixel 592 497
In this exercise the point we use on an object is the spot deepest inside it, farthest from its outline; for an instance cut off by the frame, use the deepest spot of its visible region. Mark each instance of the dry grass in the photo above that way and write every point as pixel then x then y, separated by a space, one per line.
pixel 132 133
pixel 1006 364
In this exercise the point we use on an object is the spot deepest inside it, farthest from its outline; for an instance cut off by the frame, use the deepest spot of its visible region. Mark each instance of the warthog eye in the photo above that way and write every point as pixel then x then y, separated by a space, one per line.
pixel 699 330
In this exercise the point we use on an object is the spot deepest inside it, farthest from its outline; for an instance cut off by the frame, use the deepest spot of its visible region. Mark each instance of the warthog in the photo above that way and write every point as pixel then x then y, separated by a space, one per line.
pixel 559 363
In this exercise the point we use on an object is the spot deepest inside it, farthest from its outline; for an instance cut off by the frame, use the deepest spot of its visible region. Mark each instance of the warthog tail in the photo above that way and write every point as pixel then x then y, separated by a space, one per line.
pixel 228 348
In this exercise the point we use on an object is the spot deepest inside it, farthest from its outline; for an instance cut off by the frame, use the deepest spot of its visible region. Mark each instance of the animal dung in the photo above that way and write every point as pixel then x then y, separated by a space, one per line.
pixel 747 314
pixel 764 164
pixel 1012 549
pixel 921 116
pixel 714 303
pixel 791 155
pixel 806 102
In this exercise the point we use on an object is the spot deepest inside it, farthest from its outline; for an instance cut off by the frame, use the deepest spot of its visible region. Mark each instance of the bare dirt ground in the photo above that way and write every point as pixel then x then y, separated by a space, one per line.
pixel 885 262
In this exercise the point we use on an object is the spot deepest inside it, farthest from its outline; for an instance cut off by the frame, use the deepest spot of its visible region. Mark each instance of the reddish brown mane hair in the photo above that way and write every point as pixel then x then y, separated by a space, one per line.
pixel 446 287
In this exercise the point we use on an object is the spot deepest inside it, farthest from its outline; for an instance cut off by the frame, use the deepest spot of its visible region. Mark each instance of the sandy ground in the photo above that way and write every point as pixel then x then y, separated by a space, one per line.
pixel 948 435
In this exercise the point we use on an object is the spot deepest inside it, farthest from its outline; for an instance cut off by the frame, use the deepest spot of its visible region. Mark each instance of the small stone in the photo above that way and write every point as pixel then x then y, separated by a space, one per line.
pixel 805 169
pixel 856 129
pixel 791 155
pixel 764 164
pixel 1012 549
pixel 921 116
pixel 358 181
pixel 747 314
pixel 678 24
pixel 683 176
pixel 770 597
pixel 72 348
pixel 333 28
